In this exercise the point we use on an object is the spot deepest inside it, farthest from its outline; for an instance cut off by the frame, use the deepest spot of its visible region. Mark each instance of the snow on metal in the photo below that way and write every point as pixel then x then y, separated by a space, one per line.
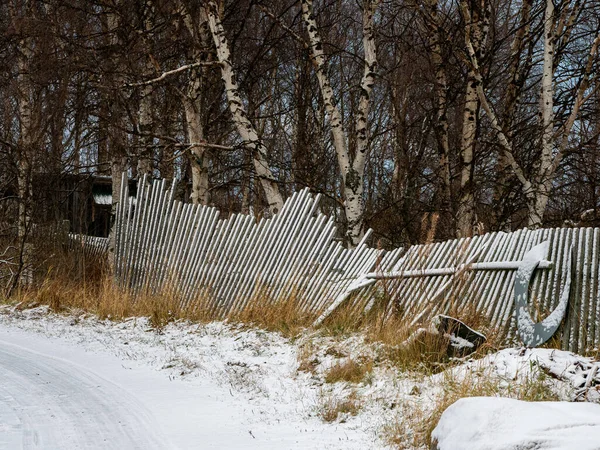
pixel 435 284
pixel 221 266
pixel 534 333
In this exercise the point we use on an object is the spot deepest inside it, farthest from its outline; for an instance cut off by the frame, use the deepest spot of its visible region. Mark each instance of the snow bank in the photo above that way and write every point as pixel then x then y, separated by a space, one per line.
pixel 489 423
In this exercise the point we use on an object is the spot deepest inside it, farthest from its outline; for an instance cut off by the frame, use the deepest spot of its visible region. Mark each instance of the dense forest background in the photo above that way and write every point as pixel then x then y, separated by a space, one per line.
pixel 422 119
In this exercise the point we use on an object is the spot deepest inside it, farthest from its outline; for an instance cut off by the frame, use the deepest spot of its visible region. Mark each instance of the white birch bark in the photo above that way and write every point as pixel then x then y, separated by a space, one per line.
pixel 352 169
pixel 476 31
pixel 192 104
pixel 537 186
pixel 541 180
pixel 25 158
pixel 433 26
pixel 243 125
pixel 354 180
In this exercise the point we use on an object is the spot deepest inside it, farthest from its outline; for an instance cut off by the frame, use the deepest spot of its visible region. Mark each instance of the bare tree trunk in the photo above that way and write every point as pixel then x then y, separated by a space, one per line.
pixel 145 163
pixel 29 132
pixel 301 160
pixel 145 157
pixel 195 136
pixel 466 202
pixel 25 160
pixel 538 199
pixel 192 103
pixel 332 111
pixel 103 153
pixel 354 180
pixel 246 130
pixel 433 25
pixel 116 136
pixel 352 169
pixel 476 31
pixel 399 105
pixel 517 70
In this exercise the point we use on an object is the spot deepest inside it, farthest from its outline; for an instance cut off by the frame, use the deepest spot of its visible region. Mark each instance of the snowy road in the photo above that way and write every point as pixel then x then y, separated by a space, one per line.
pixel 49 403
pixel 68 385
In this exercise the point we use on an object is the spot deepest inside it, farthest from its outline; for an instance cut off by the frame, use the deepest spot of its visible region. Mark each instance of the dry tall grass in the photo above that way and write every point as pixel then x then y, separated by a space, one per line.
pixel 282 314
pixel 72 282
pixel 349 370
pixel 403 344
pixel 105 300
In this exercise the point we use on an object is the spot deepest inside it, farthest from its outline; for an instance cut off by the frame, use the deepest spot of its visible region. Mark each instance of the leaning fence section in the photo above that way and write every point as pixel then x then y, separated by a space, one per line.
pixel 223 264
pixel 427 288
pixel 89 246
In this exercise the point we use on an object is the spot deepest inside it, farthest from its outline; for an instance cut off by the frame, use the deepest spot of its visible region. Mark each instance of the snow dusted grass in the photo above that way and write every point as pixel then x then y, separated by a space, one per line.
pixel 331 407
pixel 349 370
pixel 421 413
pixel 352 377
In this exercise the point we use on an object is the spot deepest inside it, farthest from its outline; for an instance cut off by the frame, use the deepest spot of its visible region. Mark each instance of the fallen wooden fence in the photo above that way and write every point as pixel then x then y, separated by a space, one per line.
pixel 439 278
pixel 89 246
pixel 222 265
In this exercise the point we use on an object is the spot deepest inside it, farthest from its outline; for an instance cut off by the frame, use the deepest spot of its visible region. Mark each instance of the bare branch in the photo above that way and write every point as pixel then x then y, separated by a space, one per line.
pixel 174 72
pixel 580 100
pixel 282 24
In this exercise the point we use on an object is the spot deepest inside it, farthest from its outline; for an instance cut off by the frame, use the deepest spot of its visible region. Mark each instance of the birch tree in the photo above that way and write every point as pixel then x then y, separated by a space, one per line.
pixel 246 130
pixel 145 122
pixel 536 185
pixel 117 141
pixel 477 25
pixel 28 134
pixel 435 32
pixel 520 63
pixel 193 101
pixel 352 167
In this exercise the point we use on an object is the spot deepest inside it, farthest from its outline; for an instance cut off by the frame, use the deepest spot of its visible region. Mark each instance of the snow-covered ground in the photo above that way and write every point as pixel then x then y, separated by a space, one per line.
pixel 199 386
pixel 216 385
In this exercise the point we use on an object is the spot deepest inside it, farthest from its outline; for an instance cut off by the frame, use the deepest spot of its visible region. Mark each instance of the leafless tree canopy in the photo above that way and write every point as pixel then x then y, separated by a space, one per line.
pixel 422 119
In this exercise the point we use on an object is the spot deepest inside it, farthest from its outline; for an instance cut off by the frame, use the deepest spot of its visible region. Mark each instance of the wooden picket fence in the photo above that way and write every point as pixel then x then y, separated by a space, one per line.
pixel 221 265
pixel 89 246
pixel 491 292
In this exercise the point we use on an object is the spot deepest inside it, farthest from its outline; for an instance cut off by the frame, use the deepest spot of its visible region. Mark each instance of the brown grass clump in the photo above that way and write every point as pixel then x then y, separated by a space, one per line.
pixel 428 354
pixel 349 370
pixel 283 315
pixel 105 300
pixel 343 321
pixel 307 360
pixel 331 408
pixel 416 349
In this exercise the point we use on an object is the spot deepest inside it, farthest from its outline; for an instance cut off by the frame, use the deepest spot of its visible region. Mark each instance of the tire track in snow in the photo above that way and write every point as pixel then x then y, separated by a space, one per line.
pixel 48 403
